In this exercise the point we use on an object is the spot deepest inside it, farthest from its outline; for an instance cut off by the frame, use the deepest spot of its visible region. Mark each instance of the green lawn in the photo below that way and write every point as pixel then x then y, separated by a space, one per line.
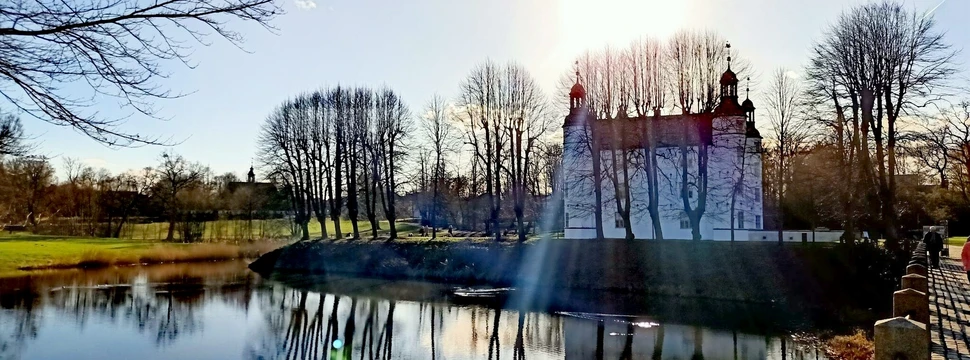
pixel 17 250
pixel 27 250
pixel 956 240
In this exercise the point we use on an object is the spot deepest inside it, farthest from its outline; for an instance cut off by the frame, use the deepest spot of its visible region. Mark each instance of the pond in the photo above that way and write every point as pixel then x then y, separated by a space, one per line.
pixel 225 311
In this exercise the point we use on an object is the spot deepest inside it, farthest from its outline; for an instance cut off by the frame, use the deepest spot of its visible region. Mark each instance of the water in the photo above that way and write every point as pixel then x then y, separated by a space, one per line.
pixel 224 311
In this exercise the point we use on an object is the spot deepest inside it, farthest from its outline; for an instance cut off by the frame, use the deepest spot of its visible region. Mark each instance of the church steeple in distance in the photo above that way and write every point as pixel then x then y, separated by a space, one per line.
pixel 251 176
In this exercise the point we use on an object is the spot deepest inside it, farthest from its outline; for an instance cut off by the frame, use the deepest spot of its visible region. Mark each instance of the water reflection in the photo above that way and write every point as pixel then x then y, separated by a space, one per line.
pixel 223 311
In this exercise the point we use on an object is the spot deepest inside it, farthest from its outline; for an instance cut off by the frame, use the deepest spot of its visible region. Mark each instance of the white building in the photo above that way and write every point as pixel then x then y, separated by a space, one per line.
pixel 708 161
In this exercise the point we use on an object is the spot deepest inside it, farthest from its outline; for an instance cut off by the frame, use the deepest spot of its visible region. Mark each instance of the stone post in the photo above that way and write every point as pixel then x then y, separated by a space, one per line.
pixel 901 338
pixel 916 269
pixel 915 282
pixel 913 303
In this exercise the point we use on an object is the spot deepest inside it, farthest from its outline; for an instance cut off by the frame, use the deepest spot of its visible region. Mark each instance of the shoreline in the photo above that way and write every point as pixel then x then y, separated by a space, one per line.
pixel 28 254
pixel 95 265
pixel 825 278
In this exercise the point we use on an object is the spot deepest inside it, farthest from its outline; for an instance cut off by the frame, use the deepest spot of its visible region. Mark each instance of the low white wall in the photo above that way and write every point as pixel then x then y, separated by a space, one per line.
pixel 796 235
pixel 739 235
pixel 574 233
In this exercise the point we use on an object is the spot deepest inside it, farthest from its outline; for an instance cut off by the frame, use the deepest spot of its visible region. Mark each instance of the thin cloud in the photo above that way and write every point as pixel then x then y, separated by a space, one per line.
pixel 305 4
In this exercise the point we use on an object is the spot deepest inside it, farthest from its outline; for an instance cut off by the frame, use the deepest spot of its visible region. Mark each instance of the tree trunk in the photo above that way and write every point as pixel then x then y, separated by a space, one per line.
pixel 779 193
pixel 653 207
pixel 594 153
pixel 171 228
pixel 352 210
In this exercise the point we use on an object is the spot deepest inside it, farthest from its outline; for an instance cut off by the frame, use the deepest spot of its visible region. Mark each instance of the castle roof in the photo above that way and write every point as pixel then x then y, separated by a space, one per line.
pixel 665 131
pixel 729 77
pixel 577 91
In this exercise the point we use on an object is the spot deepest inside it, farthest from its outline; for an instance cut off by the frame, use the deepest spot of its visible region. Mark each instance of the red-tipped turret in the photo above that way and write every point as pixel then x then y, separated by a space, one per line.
pixel 729 105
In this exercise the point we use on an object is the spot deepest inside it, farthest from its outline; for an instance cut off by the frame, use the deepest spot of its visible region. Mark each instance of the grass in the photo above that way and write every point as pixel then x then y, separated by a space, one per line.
pixel 850 347
pixel 956 240
pixel 24 251
pixel 142 243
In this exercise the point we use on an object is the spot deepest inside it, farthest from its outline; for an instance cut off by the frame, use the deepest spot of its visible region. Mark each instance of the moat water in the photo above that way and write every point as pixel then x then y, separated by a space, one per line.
pixel 225 311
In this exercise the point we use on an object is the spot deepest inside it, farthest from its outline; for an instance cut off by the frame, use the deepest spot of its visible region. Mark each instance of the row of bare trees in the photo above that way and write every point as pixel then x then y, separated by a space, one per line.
pixel 877 65
pixel 503 114
pixel 338 149
pixel 342 152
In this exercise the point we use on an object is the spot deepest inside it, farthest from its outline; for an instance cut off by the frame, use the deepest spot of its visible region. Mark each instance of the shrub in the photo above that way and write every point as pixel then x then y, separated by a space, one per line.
pixel 850 347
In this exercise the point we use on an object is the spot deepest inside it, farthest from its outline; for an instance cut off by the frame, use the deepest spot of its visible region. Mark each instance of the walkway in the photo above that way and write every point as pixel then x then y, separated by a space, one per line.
pixel 949 309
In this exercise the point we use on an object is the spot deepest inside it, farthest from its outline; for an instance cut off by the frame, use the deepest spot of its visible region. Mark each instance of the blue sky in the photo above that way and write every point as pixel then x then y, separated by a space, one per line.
pixel 423 47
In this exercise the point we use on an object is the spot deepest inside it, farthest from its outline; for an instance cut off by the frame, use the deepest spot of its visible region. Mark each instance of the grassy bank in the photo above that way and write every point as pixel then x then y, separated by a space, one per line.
pixel 850 284
pixel 261 229
pixel 19 252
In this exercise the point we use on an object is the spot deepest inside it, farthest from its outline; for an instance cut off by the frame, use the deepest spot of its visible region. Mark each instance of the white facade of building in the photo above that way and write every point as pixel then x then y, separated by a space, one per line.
pixel 733 181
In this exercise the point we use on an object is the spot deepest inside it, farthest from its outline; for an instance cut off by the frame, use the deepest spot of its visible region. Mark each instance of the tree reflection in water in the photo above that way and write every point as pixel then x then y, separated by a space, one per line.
pixel 190 310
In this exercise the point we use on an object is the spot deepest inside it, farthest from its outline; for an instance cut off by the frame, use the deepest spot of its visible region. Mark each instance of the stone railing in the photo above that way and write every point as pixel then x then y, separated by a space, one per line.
pixel 906 336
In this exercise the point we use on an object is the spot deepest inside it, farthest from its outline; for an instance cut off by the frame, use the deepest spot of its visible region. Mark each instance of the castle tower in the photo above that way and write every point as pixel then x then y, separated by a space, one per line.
pixel 577 185
pixel 251 176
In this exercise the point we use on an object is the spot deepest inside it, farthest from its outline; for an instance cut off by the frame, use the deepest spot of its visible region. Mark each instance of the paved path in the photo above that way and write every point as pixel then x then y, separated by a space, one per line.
pixel 949 309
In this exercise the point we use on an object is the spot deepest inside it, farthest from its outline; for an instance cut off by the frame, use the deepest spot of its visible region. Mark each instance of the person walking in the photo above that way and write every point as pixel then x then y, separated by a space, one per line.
pixel 934 244
pixel 965 256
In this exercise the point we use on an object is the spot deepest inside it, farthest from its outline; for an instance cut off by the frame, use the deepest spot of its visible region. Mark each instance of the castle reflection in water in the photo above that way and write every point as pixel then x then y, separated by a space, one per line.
pixel 223 311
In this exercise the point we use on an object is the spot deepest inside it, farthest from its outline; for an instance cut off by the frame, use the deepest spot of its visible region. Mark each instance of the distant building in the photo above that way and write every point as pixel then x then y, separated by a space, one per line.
pixel 256 196
pixel 728 137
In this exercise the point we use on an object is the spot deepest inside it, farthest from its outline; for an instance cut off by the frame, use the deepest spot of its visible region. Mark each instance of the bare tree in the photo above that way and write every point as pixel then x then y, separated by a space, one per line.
pixel 694 68
pixel 115 48
pixel 957 120
pixel 788 133
pixel 175 174
pixel 441 137
pixel 929 145
pixel 886 61
pixel 694 63
pixel 649 93
pixel 526 125
pixel 282 142
pixel 12 136
pixel 392 123
pixel 132 186
pixel 482 119
pixel 29 179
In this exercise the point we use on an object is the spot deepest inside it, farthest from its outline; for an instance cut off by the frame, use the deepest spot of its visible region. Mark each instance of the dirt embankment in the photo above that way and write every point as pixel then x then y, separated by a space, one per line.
pixel 817 275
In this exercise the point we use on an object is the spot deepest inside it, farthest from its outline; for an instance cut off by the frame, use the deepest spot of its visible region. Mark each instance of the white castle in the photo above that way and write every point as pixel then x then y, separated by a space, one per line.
pixel 704 167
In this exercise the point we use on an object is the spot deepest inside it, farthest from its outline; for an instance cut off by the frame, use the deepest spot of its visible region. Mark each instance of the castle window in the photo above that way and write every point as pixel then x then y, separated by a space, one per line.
pixel 684 221
pixel 757 222
pixel 566 221
pixel 690 194
pixel 618 221
pixel 740 220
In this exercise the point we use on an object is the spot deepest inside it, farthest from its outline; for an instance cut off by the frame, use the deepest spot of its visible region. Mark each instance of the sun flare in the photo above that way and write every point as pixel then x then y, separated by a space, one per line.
pixel 617 22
